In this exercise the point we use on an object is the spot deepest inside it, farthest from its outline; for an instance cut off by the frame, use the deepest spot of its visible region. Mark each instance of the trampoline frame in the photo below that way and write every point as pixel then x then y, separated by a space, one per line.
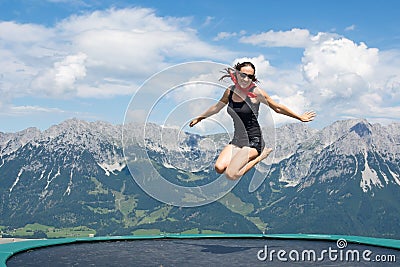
pixel 8 250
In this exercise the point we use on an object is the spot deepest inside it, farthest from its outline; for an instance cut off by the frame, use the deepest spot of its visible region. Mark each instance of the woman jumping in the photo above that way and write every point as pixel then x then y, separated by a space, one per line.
pixel 247 147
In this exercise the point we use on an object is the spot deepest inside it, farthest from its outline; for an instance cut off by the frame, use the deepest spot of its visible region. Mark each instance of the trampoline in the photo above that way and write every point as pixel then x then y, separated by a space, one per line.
pixel 204 250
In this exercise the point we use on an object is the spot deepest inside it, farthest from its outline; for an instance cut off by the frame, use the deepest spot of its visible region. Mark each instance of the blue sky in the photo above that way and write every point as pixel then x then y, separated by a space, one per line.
pixel 86 59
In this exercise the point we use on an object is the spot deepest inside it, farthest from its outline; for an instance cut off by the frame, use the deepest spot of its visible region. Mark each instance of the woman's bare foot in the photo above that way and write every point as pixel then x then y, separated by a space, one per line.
pixel 265 153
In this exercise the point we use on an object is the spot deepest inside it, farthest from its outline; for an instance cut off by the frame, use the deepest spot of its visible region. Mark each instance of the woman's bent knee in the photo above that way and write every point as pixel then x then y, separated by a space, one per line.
pixel 232 175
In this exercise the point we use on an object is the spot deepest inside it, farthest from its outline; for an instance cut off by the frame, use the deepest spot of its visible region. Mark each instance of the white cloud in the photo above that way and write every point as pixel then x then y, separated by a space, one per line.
pixel 350 28
pixel 293 38
pixel 22 34
pixel 108 53
pixel 339 75
pixel 61 79
pixel 104 90
pixel 208 21
pixel 346 79
pixel 82 51
pixel 225 35
pixel 29 110
pixel 134 40
pixel 340 78
pixel 333 57
pixel 374 105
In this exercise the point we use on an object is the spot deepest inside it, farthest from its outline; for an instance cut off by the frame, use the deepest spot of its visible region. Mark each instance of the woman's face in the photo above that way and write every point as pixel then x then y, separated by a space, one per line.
pixel 243 80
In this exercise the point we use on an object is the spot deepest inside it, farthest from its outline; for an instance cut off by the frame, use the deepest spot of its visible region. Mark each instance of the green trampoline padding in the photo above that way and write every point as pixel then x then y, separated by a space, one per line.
pixel 9 249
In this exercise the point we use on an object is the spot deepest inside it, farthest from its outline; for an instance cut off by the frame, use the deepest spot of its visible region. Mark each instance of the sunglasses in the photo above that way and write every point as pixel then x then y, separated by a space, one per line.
pixel 244 75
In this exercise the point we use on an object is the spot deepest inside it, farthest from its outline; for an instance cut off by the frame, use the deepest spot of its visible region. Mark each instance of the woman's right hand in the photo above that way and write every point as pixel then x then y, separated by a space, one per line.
pixel 308 116
pixel 195 121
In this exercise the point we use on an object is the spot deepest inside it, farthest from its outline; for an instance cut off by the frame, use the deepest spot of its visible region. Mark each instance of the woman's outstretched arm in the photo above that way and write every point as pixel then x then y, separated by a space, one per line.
pixel 214 109
pixel 282 109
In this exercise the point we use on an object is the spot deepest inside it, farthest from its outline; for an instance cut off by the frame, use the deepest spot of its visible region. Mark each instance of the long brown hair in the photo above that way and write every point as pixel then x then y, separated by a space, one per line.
pixel 238 66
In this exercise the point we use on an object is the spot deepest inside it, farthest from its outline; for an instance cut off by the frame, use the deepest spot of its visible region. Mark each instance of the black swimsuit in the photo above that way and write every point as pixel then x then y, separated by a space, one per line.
pixel 247 129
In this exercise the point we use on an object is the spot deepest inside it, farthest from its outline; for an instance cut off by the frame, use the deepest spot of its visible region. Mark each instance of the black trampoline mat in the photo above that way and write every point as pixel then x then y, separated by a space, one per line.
pixel 208 252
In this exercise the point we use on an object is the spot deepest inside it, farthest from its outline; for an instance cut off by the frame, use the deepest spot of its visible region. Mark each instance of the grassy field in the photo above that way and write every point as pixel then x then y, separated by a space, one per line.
pixel 235 204
pixel 31 230
pixel 147 232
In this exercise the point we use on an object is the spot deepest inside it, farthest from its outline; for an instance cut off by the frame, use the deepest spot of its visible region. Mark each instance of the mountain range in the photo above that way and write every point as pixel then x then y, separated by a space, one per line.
pixel 342 179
